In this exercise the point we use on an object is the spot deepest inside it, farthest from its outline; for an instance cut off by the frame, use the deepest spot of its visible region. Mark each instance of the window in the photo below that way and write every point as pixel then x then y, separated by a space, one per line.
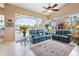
pixel 1 23
pixel 29 21
pixel 68 22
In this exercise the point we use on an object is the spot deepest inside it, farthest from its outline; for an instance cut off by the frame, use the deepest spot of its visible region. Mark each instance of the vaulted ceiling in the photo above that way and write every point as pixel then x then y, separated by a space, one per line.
pixel 37 7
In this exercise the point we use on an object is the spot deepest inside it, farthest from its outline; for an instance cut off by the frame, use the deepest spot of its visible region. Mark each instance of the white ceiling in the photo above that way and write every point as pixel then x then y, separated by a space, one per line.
pixel 37 7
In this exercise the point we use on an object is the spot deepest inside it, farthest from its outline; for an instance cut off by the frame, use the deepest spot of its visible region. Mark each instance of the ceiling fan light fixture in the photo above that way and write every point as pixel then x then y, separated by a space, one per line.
pixel 50 8
pixel 49 11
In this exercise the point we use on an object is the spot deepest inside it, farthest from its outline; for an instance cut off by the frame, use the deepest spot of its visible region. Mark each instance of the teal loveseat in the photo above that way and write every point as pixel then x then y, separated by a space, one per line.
pixel 62 35
pixel 38 36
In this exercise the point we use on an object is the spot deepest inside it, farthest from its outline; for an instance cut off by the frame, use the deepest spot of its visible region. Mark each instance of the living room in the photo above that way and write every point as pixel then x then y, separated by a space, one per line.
pixel 52 32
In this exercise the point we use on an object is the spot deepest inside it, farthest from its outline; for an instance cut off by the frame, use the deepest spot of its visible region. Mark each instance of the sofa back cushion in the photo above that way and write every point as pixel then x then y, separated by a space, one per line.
pixel 59 32
pixel 66 32
pixel 41 32
pixel 33 31
pixel 37 32
pixel 63 32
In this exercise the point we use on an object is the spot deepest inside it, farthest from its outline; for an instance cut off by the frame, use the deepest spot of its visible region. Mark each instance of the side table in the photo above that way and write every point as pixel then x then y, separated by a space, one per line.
pixel 24 40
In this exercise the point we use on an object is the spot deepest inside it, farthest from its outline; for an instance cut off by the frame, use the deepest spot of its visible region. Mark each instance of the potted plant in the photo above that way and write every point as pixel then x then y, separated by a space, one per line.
pixel 23 28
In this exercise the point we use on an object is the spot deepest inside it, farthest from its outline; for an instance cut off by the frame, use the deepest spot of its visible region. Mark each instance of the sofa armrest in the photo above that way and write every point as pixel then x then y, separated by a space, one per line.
pixel 69 36
pixel 53 33
pixel 46 33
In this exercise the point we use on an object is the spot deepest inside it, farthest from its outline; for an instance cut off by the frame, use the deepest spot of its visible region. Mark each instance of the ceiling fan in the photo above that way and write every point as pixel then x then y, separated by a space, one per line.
pixel 50 8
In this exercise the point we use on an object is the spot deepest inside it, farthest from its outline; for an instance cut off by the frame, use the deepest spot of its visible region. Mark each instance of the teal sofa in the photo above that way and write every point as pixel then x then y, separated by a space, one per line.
pixel 62 35
pixel 38 36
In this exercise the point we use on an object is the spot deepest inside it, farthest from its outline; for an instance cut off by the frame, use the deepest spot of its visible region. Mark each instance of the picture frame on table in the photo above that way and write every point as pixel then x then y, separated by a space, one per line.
pixel 9 23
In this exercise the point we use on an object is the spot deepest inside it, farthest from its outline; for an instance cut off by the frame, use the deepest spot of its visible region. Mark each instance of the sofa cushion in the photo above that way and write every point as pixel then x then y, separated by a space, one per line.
pixel 62 32
pixel 37 37
pixel 40 34
pixel 40 31
pixel 33 31
pixel 44 33
pixel 59 32
pixel 61 36
pixel 66 32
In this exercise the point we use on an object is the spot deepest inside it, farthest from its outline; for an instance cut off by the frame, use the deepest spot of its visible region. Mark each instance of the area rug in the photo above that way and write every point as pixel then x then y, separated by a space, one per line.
pixel 52 48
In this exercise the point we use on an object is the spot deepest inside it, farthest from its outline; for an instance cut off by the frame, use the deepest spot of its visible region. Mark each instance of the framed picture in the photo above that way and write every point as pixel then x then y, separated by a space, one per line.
pixel 9 23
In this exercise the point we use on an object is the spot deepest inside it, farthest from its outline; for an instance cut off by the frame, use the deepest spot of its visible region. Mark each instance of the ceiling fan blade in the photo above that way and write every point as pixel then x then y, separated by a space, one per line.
pixel 54 5
pixel 55 9
pixel 45 7
pixel 44 11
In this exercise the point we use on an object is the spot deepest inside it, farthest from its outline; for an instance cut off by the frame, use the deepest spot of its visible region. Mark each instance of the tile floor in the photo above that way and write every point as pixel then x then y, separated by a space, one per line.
pixel 75 51
pixel 16 49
